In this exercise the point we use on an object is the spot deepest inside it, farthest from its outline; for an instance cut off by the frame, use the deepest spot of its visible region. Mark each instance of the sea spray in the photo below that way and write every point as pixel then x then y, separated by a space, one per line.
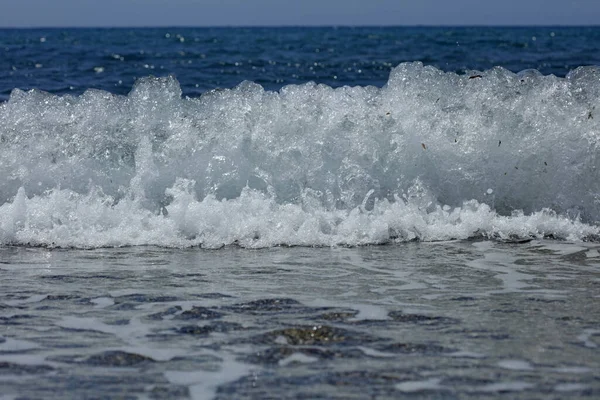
pixel 430 156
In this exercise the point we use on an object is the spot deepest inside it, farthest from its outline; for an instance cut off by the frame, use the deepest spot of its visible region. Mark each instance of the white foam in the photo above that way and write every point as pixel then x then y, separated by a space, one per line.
pixel 375 353
pixel 466 354
pixel 592 253
pixel 31 299
pixel 419 386
pixel 506 387
pixel 297 358
pixel 431 156
pixel 369 312
pixel 64 218
pixel 10 345
pixel 103 302
pixel 203 384
pixel 281 340
pixel 129 332
pixel 517 365
pixel 586 338
pixel 23 359
pixel 574 370
pixel 570 387
pixel 157 354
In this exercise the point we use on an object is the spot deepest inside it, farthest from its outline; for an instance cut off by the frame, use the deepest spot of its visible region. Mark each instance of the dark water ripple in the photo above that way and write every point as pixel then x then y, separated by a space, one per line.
pixel 377 323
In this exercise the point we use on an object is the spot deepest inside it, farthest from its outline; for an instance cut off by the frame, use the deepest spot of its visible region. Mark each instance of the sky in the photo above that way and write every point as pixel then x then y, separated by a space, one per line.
pixel 111 13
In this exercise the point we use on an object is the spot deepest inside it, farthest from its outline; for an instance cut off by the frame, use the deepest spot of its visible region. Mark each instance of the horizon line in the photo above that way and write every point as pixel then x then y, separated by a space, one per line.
pixel 334 26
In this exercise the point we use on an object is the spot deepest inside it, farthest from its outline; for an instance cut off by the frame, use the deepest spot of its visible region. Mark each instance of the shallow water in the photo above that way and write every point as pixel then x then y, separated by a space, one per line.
pixel 460 319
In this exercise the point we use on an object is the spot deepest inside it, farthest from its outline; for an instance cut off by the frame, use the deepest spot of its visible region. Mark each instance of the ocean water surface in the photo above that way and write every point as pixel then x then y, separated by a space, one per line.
pixel 300 213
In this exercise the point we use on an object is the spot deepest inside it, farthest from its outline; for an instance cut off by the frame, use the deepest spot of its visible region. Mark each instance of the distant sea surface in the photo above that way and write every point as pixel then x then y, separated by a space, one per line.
pixel 72 60
pixel 300 213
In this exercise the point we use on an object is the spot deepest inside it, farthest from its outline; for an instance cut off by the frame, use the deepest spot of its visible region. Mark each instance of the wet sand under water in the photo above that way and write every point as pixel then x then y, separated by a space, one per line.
pixel 464 320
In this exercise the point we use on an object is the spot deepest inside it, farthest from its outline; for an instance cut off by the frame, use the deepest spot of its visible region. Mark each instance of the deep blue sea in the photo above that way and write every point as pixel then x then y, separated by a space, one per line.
pixel 72 60
pixel 300 213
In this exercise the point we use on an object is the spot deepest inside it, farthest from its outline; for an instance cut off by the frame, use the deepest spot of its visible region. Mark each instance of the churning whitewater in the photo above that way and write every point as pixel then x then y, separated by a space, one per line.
pixel 430 156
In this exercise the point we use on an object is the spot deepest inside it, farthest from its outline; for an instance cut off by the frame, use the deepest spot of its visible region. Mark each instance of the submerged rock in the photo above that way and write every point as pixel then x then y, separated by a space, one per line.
pixel 314 335
pixel 117 359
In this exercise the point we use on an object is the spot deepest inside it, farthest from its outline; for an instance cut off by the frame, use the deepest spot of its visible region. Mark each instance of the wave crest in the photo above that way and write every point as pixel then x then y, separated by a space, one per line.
pixel 308 165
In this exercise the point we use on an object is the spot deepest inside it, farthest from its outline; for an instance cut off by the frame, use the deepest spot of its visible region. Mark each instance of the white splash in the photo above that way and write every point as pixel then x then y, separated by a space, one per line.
pixel 430 156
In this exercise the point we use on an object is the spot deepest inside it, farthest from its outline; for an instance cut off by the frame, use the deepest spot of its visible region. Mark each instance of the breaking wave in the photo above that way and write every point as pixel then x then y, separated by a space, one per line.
pixel 430 156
